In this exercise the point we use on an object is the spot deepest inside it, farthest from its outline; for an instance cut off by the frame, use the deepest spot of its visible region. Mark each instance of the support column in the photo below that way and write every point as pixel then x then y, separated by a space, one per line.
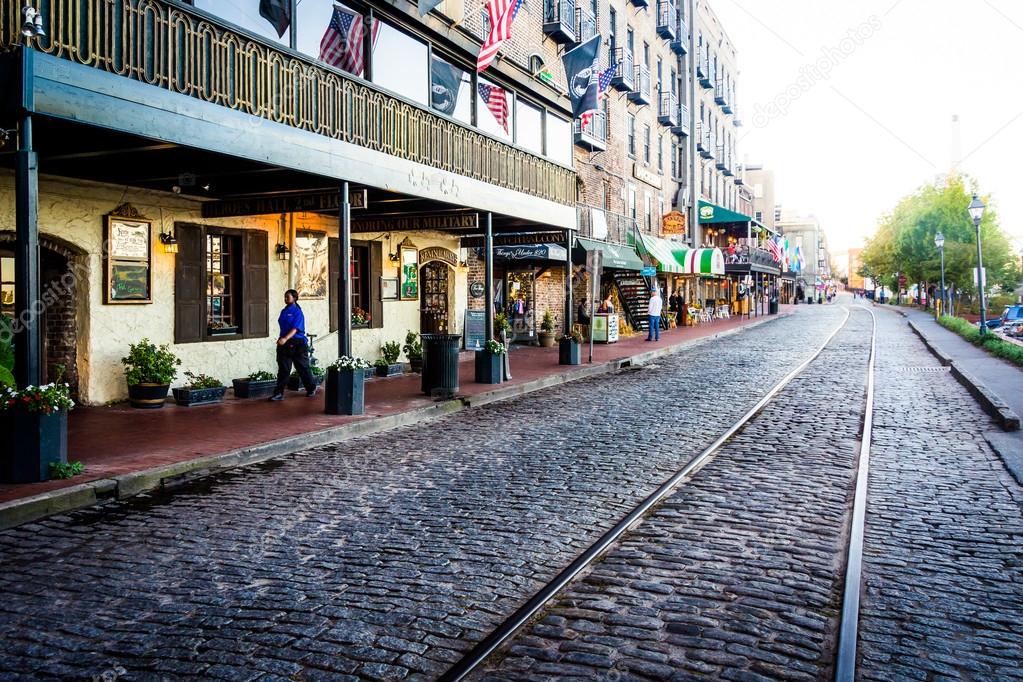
pixel 488 276
pixel 694 182
pixel 344 327
pixel 569 310
pixel 27 294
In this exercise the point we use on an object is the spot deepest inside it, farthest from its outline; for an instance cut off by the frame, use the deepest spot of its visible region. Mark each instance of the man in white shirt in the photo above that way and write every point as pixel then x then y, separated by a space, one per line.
pixel 653 313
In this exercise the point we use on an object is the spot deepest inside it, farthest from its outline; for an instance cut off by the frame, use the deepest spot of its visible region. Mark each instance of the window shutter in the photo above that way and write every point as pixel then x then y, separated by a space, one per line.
pixel 189 281
pixel 375 267
pixel 256 285
pixel 334 278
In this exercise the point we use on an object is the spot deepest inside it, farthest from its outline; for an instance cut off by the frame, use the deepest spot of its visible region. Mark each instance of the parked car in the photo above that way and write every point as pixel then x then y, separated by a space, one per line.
pixel 1013 314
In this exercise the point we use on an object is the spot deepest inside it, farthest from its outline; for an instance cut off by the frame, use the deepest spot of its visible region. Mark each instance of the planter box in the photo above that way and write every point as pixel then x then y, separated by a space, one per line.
pixel 370 372
pixel 346 392
pixel 489 367
pixel 568 352
pixel 546 339
pixel 416 365
pixel 188 397
pixel 295 383
pixel 245 388
pixel 148 396
pixel 31 441
pixel 390 370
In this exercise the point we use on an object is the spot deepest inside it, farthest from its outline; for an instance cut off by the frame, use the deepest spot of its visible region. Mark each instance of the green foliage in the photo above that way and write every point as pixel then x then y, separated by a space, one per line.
pixel 904 241
pixel 413 346
pixel 6 378
pixel 65 469
pixel 197 381
pixel 989 342
pixel 495 347
pixel 146 363
pixel 391 350
pixel 380 362
pixel 547 325
pixel 7 345
pixel 262 375
pixel 501 323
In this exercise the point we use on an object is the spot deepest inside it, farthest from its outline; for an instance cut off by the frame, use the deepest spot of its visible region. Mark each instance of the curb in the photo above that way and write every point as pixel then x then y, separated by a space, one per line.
pixel 26 510
pixel 988 401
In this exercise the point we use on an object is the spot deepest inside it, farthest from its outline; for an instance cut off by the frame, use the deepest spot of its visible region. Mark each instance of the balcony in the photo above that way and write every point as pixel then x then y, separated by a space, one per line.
pixel 624 79
pixel 619 227
pixel 667 19
pixel 736 118
pixel 680 44
pixel 640 93
pixel 559 20
pixel 722 162
pixel 667 112
pixel 740 175
pixel 720 95
pixel 642 4
pixel 705 75
pixel 209 68
pixel 705 142
pixel 682 127
pixel 585 24
pixel 593 135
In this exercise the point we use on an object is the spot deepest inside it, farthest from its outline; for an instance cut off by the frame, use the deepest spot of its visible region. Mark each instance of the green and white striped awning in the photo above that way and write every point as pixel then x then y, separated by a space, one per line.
pixel 701 261
pixel 675 257
pixel 661 251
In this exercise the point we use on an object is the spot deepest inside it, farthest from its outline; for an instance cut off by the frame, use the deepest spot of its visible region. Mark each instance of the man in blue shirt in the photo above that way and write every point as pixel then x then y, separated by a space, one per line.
pixel 292 347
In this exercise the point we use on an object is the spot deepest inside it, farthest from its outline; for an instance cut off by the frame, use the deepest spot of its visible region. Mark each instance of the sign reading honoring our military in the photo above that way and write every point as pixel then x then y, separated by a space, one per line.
pixel 412 223
pixel 583 71
pixel 288 203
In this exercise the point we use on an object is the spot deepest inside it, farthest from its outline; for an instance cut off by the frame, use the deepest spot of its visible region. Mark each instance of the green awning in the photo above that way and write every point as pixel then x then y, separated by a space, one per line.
pixel 612 255
pixel 663 252
pixel 701 261
pixel 712 213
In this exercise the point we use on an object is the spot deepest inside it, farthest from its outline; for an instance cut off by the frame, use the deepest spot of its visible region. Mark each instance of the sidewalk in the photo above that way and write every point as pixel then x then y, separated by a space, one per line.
pixel 999 378
pixel 127 451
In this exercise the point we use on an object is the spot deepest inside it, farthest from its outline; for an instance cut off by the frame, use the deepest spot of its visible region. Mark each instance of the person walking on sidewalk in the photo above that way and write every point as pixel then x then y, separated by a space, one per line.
pixel 653 313
pixel 292 347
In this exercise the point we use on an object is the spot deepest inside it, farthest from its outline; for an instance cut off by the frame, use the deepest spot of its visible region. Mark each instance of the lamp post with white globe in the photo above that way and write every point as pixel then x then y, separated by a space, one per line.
pixel 939 241
pixel 976 209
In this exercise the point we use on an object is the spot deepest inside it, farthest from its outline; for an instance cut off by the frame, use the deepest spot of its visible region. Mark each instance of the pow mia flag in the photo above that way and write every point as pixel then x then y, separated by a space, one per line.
pixel 583 72
pixel 445 82
pixel 278 13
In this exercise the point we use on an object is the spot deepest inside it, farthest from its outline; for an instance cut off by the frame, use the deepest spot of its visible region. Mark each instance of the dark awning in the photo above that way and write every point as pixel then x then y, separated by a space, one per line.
pixel 616 256
pixel 532 252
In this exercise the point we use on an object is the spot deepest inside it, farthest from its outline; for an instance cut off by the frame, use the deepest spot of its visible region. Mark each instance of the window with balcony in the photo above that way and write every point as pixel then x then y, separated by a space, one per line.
pixel 630 39
pixel 529 127
pixel 275 27
pixel 612 30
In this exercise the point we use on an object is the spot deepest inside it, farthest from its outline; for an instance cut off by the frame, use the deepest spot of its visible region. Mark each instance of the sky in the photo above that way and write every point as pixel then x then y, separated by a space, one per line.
pixel 851 103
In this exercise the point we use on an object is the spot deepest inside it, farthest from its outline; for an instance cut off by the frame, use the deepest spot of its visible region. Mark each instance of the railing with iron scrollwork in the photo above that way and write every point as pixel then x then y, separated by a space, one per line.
pixel 170 47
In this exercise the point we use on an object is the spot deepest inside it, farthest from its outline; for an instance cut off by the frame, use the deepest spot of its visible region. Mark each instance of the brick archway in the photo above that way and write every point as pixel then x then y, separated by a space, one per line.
pixel 63 283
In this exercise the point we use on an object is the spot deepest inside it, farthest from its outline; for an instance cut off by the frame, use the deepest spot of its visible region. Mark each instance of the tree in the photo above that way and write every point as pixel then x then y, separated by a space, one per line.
pixel 904 241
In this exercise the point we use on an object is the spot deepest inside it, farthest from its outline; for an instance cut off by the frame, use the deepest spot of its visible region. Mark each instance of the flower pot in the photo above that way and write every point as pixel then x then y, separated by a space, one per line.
pixel 489 367
pixel 346 391
pixel 31 441
pixel 415 364
pixel 369 372
pixel 547 339
pixel 295 382
pixel 390 370
pixel 246 388
pixel 189 397
pixel 148 396
pixel 568 352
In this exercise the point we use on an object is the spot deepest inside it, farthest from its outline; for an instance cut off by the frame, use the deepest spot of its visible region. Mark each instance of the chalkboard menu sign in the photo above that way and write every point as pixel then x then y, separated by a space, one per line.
pixel 475 333
pixel 127 257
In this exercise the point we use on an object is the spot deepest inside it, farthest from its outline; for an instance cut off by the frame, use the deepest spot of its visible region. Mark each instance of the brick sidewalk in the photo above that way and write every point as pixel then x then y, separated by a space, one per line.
pixel 118 440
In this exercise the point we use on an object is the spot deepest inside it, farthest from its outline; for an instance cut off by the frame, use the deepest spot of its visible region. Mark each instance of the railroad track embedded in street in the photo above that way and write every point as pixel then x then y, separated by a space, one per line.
pixel 846 657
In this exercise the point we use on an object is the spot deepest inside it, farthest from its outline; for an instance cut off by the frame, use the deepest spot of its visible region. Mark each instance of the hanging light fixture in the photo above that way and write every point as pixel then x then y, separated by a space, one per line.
pixel 282 251
pixel 32 26
pixel 169 241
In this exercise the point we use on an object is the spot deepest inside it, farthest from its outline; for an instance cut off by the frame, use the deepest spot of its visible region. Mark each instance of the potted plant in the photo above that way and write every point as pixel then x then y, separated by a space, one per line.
pixel 546 335
pixel 33 421
pixel 295 382
pixel 149 370
pixel 346 385
pixel 490 362
pixel 388 365
pixel 413 349
pixel 7 352
pixel 568 350
pixel 259 384
pixel 360 318
pixel 200 390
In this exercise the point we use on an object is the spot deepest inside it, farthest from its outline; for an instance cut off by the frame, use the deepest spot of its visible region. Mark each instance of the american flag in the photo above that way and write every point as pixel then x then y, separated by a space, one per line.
pixel 501 14
pixel 605 77
pixel 496 101
pixel 775 249
pixel 341 44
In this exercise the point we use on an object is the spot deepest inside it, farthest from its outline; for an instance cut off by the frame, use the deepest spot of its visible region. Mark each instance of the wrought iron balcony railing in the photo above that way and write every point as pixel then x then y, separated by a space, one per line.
pixel 640 93
pixel 667 19
pixel 705 74
pixel 624 79
pixel 619 227
pixel 170 47
pixel 667 112
pixel 682 127
pixel 593 135
pixel 559 20
pixel 585 24
pixel 680 43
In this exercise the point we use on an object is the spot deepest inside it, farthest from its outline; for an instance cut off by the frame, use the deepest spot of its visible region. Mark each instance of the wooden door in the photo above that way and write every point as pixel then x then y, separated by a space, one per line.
pixel 433 288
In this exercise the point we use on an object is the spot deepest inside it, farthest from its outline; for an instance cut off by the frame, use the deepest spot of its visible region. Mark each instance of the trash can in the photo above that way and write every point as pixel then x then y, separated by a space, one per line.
pixel 440 363
pixel 773 306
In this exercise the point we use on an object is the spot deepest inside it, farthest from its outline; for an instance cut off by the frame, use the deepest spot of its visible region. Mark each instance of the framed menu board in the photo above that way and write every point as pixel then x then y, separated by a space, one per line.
pixel 127 257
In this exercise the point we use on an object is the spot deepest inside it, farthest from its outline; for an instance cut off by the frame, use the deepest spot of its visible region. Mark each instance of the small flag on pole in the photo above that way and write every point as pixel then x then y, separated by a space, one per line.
pixel 501 14
pixel 497 102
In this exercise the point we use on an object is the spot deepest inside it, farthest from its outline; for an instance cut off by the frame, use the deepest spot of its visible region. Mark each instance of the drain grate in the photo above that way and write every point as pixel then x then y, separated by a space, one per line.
pixel 922 369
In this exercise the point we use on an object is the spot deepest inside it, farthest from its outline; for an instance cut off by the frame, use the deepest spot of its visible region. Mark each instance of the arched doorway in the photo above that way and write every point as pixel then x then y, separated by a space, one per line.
pixel 62 284
pixel 435 292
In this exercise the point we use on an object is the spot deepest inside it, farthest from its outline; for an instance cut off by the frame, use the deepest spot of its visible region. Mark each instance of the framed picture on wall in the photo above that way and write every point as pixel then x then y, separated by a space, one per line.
pixel 310 257
pixel 409 273
pixel 388 288
pixel 127 257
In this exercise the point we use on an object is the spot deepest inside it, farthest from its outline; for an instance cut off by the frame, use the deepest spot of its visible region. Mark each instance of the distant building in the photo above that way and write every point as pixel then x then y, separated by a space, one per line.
pixel 856 280
pixel 805 233
pixel 761 183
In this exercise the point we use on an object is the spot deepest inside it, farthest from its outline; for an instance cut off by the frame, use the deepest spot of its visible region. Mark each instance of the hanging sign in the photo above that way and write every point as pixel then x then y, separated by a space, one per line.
pixel 413 223
pixel 673 223
pixel 293 203
pixel 648 271
pixel 127 257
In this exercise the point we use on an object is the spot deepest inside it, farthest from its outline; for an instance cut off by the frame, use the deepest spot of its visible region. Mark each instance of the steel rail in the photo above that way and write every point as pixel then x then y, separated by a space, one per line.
pixel 479 653
pixel 845 665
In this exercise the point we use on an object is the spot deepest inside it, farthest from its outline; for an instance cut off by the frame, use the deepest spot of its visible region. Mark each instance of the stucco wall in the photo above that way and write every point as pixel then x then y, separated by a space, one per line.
pixel 74 211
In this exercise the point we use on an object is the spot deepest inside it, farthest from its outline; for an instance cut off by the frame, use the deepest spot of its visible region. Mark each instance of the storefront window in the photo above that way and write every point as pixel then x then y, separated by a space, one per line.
pixel 7 285
pixel 559 140
pixel 222 256
pixel 494 109
pixel 358 281
pixel 334 34
pixel 401 64
pixel 529 127
pixel 449 91
pixel 270 19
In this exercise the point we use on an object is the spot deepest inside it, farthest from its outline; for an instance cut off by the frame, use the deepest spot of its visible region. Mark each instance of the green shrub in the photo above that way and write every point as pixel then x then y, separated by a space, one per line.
pixel 413 346
pixel 547 325
pixel 148 364
pixel 391 350
pixel 991 343
pixel 197 381
pixel 262 375
pixel 65 469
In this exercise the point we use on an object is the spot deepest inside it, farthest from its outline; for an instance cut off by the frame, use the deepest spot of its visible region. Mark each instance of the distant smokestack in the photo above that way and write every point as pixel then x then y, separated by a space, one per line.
pixel 955 147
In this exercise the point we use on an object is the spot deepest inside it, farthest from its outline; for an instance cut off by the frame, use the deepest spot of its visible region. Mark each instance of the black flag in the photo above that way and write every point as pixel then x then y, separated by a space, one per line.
pixel 582 71
pixel 426 5
pixel 278 13
pixel 446 80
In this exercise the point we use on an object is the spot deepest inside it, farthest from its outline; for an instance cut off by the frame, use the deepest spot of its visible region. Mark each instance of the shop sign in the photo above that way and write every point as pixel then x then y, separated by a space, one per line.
pixel 409 272
pixel 477 289
pixel 475 327
pixel 648 271
pixel 673 223
pixel 412 223
pixel 707 213
pixel 127 257
pixel 646 176
pixel 532 252
pixel 294 203
pixel 431 253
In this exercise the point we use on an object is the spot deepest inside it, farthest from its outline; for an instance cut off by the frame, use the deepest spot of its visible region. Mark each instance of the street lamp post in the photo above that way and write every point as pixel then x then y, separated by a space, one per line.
pixel 976 209
pixel 939 241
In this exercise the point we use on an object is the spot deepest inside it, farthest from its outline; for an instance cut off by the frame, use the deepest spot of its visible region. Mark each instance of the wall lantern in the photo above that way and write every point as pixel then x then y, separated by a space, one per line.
pixel 169 241
pixel 282 251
